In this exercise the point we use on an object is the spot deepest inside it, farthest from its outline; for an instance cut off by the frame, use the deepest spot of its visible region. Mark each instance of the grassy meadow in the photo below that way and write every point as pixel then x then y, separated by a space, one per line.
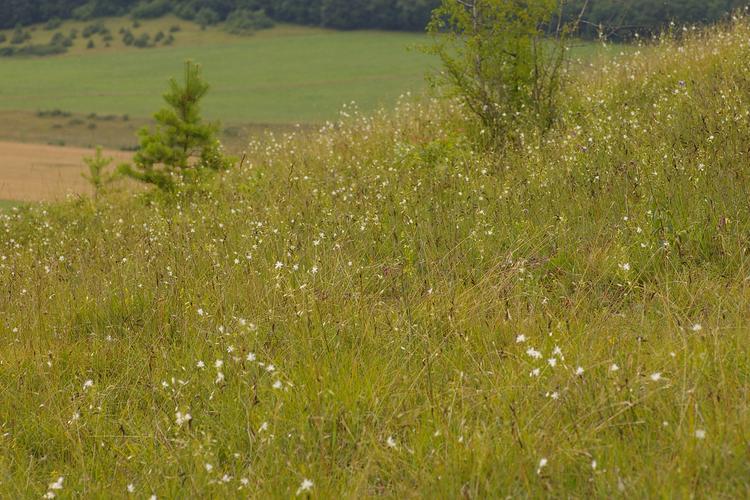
pixel 382 308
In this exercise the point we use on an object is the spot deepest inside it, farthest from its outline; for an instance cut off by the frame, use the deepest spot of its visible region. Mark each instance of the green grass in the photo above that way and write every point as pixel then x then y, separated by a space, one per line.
pixel 385 308
pixel 7 204
pixel 283 75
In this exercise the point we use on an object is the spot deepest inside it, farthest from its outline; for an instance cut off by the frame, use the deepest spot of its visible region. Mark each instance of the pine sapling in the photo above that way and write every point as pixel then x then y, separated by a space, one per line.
pixel 182 147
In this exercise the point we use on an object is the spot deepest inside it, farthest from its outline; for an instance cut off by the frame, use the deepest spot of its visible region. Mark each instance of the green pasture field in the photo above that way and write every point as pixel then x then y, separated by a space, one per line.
pixel 283 75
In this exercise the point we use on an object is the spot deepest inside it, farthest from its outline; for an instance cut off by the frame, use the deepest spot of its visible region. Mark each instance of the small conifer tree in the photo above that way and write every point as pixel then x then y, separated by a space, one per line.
pixel 98 176
pixel 182 146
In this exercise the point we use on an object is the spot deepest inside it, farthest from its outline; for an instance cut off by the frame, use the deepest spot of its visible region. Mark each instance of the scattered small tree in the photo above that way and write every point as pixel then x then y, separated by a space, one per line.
pixel 181 147
pixel 502 58
pixel 98 175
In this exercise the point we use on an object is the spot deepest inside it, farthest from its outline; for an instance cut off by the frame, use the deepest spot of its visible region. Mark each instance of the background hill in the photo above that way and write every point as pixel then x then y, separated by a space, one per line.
pixel 616 17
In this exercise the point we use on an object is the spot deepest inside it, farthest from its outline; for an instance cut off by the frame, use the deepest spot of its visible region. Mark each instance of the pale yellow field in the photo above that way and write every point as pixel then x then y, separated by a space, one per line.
pixel 34 172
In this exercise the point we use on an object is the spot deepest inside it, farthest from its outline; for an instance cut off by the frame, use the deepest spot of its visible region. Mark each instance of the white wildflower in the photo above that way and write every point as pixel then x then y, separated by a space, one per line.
pixel 305 486
pixel 533 353
pixel 542 465
pixel 182 418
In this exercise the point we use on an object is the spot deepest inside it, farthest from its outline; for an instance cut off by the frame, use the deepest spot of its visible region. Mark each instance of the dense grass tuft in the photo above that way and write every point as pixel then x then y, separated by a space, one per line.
pixel 382 308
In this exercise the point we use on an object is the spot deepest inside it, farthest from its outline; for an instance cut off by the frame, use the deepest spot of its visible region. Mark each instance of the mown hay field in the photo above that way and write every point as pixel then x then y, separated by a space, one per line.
pixel 35 172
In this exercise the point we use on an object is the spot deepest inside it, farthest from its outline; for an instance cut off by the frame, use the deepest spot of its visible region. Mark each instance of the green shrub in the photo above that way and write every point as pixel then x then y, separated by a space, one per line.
pixel 151 9
pixel 53 113
pixel 53 24
pixel 84 12
pixel 247 22
pixel 94 29
pixel 58 38
pixel 206 17
pixel 498 58
pixel 3 38
pixel 143 41
pixel 185 11
pixel 40 50
pixel 128 38
pixel 175 28
pixel 19 36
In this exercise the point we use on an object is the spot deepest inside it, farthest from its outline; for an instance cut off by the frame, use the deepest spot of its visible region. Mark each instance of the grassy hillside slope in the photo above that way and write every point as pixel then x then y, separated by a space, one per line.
pixel 383 309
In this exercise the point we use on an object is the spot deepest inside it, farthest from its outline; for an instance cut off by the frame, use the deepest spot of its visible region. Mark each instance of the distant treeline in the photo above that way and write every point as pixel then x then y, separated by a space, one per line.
pixel 625 18
pixel 406 15
pixel 615 17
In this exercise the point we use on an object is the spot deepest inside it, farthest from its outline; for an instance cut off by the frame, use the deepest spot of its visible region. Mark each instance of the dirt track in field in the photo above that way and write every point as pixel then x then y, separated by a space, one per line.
pixel 35 172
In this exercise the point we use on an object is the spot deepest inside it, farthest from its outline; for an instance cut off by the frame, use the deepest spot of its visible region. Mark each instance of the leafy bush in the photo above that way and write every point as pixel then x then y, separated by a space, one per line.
pixel 85 12
pixel 206 17
pixel 151 9
pixel 185 11
pixel 174 28
pixel 90 45
pixel 52 113
pixel 33 50
pixel 58 38
pixel 499 60
pixel 53 24
pixel 159 37
pixel 247 22
pixel 182 148
pixel 19 36
pixel 128 38
pixel 3 38
pixel 143 41
pixel 94 29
